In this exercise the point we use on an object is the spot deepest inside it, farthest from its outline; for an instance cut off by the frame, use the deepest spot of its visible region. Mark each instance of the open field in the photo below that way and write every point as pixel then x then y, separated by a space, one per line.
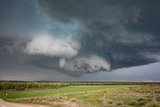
pixel 83 95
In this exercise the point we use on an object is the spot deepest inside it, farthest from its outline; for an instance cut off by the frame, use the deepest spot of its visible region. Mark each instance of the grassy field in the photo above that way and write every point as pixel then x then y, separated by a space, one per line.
pixel 89 96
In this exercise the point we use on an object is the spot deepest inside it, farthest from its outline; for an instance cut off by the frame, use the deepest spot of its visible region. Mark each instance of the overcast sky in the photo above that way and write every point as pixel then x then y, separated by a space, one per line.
pixel 69 40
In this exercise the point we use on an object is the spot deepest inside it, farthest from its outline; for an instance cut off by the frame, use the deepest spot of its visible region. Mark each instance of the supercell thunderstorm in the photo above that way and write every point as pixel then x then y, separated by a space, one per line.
pixel 81 36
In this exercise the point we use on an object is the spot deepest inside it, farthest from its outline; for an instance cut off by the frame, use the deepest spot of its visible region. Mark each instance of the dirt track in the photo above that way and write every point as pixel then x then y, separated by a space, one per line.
pixel 61 103
pixel 9 104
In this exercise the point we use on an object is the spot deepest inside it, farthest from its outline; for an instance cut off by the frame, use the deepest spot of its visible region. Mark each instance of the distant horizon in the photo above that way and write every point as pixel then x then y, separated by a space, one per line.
pixel 145 81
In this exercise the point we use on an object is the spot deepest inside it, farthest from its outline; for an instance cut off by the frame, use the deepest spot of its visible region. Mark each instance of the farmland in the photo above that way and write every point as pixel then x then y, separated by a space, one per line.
pixel 82 94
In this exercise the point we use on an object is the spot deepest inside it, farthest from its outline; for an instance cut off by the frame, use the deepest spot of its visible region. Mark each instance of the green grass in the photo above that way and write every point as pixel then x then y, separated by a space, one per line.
pixel 13 94
pixel 96 96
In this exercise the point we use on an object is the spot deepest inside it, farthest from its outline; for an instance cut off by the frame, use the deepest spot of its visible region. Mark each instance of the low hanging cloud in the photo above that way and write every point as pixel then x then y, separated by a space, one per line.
pixel 92 63
pixel 66 50
pixel 52 46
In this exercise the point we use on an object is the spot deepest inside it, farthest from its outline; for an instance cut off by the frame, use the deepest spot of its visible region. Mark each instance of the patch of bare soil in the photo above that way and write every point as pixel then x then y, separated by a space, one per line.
pixel 53 101
pixel 32 102
pixel 9 104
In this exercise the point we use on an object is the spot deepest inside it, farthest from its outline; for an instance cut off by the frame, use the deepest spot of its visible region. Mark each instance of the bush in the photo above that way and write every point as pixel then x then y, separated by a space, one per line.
pixel 133 103
pixel 110 101
pixel 141 101
pixel 119 103
pixel 152 104
pixel 73 100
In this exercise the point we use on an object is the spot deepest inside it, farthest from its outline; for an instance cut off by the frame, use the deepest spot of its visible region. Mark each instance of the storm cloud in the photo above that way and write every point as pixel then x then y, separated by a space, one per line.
pixel 81 36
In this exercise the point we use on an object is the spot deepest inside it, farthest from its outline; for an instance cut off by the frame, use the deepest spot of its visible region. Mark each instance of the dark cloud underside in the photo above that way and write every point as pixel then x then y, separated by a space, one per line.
pixel 118 30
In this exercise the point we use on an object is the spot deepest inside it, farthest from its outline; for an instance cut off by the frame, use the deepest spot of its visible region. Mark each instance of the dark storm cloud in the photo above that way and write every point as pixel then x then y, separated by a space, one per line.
pixel 21 18
pixel 100 10
pixel 118 30
pixel 81 36
pixel 109 11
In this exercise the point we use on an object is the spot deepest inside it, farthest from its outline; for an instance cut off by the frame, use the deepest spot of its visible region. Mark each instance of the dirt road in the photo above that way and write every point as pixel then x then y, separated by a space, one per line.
pixel 61 103
pixel 9 104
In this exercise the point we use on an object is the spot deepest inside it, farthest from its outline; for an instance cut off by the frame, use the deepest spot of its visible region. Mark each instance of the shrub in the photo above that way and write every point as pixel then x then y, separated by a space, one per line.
pixel 133 103
pixel 73 100
pixel 119 103
pixel 153 104
pixel 141 101
pixel 110 101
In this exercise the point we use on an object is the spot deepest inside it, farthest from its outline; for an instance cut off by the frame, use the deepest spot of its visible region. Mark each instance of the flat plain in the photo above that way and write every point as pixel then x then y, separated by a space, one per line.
pixel 84 94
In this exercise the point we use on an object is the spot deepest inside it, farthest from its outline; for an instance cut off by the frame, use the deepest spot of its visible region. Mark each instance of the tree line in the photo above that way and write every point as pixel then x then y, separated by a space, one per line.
pixel 10 85
pixel 30 85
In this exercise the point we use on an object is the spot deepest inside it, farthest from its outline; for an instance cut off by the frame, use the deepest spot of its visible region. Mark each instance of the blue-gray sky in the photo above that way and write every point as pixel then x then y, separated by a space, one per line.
pixel 79 39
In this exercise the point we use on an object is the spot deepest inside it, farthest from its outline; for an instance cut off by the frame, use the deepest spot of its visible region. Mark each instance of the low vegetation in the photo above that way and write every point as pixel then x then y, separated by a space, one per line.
pixel 78 94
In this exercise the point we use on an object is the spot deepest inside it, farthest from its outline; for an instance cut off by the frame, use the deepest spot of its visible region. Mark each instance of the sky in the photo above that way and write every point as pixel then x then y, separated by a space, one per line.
pixel 78 40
